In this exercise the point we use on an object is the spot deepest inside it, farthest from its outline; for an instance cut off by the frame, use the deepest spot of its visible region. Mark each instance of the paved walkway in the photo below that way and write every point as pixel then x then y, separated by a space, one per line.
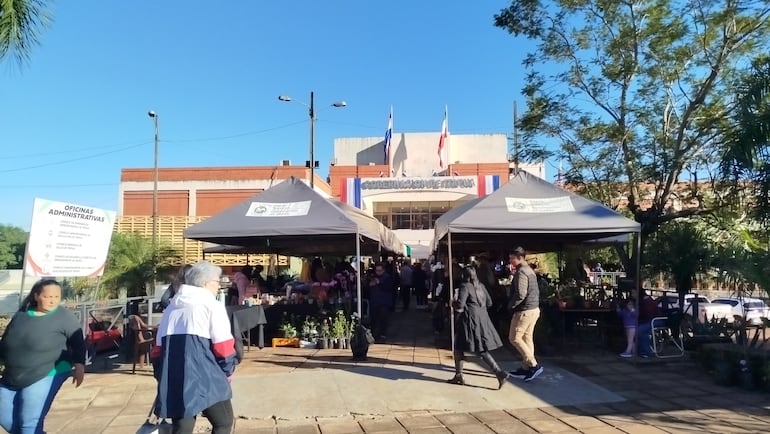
pixel 401 389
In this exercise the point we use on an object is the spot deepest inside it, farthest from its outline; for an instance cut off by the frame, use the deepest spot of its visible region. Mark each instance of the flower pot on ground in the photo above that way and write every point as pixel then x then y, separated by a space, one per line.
pixel 724 372
pixel 325 335
pixel 746 380
pixel 340 329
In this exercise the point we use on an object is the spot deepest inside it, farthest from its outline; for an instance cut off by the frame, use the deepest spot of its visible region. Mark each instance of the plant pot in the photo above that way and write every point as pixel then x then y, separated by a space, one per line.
pixel 340 344
pixel 323 343
pixel 724 374
pixel 746 380
pixel 285 342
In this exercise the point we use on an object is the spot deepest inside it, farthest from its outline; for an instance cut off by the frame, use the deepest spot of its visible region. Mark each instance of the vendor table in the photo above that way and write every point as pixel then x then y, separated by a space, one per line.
pixel 274 314
pixel 242 320
pixel 576 319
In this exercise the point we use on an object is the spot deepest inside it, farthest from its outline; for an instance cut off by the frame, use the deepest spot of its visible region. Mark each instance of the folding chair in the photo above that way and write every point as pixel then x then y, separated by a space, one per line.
pixel 667 337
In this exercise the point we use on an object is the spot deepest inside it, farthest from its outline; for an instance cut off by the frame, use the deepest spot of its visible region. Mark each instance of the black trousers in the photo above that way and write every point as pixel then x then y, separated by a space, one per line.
pixel 220 415
pixel 421 294
pixel 379 318
pixel 406 296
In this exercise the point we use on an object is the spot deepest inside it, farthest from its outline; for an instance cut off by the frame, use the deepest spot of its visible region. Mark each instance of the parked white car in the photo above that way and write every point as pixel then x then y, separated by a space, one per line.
pixel 707 309
pixel 753 309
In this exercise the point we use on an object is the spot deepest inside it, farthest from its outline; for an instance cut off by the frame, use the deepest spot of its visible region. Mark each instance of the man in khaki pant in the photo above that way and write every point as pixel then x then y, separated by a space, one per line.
pixel 525 304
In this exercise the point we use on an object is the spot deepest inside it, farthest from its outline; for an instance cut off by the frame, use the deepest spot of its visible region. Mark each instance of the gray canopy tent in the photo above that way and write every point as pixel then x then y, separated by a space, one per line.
pixel 530 212
pixel 292 219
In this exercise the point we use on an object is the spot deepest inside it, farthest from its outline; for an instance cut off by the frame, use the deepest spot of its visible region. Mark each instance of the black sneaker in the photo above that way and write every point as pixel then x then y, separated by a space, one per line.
pixel 519 373
pixel 533 373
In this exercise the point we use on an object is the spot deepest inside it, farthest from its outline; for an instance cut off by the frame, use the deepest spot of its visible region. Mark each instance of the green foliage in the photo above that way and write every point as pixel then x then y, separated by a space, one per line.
pixel 12 243
pixel 288 330
pixel 130 264
pixel 309 328
pixel 743 256
pixel 680 249
pixel 635 92
pixel 21 25
pixel 77 286
pixel 340 327
pixel 747 158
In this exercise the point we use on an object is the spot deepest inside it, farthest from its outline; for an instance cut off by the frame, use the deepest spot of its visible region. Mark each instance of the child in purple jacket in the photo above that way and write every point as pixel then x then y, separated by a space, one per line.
pixel 630 317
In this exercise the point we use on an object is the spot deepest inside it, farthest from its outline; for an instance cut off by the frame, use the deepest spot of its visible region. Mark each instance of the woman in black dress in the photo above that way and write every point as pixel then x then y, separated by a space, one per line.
pixel 474 331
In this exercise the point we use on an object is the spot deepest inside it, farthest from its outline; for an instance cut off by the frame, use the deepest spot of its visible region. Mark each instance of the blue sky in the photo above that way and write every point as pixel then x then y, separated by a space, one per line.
pixel 77 113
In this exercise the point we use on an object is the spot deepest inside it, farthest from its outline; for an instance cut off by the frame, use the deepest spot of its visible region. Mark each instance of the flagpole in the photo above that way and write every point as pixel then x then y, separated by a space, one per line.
pixel 390 127
pixel 448 159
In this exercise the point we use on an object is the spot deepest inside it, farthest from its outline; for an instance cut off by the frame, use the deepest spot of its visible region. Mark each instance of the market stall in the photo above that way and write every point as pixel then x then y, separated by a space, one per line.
pixel 292 219
pixel 530 212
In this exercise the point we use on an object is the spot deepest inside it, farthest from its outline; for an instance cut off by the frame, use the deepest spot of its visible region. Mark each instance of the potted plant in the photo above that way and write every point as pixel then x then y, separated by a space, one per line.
pixel 724 369
pixel 309 333
pixel 340 329
pixel 288 330
pixel 325 334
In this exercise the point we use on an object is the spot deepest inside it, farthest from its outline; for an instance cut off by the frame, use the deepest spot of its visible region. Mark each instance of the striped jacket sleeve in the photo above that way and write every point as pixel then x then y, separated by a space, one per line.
pixel 222 342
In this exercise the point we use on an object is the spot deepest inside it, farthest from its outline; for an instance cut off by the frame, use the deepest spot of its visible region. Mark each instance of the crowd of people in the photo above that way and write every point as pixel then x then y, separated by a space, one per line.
pixel 480 305
pixel 194 353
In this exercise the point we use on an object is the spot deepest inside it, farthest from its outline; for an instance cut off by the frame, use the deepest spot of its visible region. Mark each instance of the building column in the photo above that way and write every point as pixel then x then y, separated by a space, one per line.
pixel 192 201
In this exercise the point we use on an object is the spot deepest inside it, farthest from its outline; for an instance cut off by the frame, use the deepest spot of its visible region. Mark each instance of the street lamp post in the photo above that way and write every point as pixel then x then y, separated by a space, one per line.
pixel 311 112
pixel 154 117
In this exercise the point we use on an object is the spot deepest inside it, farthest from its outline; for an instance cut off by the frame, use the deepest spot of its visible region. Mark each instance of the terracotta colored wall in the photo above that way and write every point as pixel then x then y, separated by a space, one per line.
pixel 170 202
pixel 210 202
pixel 474 169
pixel 215 173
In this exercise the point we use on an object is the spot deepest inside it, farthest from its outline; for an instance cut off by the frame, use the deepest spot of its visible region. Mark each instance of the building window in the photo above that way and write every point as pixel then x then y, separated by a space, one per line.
pixel 383 217
pixel 410 215
pixel 402 221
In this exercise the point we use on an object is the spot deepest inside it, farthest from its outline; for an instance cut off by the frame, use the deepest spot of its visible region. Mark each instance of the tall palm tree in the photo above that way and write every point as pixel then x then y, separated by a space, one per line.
pixel 680 250
pixel 130 264
pixel 747 156
pixel 21 25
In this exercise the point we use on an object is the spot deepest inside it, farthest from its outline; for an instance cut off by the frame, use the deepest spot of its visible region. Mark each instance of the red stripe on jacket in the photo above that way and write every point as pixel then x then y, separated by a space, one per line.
pixel 223 349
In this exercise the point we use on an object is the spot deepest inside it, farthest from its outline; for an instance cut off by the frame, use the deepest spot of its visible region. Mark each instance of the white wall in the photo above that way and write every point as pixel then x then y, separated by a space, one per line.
pixel 417 153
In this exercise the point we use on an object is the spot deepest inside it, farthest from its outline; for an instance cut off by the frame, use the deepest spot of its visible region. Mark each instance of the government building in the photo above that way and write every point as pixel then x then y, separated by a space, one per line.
pixel 407 187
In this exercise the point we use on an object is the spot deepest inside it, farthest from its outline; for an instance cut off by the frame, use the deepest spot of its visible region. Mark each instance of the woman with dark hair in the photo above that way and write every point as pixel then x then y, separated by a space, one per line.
pixel 172 288
pixel 474 331
pixel 41 347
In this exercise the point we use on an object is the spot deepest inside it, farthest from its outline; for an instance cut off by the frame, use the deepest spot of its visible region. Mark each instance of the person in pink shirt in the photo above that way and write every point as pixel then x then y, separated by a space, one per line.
pixel 242 280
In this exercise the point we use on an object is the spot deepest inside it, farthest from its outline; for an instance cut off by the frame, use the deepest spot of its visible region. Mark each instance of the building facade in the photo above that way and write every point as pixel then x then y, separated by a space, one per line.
pixel 406 188
pixel 189 195
pixel 411 184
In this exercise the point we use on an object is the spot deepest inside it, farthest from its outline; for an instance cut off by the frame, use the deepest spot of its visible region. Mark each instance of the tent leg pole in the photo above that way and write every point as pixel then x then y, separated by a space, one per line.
pixel 638 280
pixel 358 278
pixel 451 294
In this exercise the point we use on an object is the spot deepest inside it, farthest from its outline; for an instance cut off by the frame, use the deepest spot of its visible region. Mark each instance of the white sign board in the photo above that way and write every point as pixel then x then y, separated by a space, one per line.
pixel 284 209
pixel 539 206
pixel 67 240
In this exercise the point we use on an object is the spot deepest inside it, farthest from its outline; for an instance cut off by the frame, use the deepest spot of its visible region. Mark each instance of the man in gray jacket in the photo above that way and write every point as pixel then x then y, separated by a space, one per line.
pixel 525 305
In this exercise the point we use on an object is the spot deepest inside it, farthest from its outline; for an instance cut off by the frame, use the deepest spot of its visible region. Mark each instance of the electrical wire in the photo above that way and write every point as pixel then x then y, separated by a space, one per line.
pixel 123 145
pixel 67 151
pixel 72 160
pixel 125 148
pixel 234 136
